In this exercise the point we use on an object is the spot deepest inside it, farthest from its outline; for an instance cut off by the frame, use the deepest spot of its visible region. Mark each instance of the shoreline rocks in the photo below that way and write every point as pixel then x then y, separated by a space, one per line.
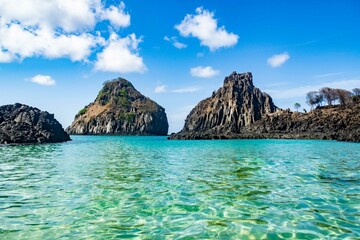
pixel 20 123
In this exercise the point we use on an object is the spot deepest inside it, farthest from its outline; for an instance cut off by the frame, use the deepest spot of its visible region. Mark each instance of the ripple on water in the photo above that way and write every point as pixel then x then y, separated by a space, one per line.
pixel 150 188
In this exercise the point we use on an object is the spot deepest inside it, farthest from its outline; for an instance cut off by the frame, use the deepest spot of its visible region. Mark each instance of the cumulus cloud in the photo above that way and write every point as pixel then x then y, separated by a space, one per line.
pixel 278 59
pixel 186 90
pixel 121 55
pixel 43 80
pixel 61 29
pixel 301 91
pixel 19 43
pixel 203 72
pixel 175 42
pixel 160 89
pixel 117 16
pixel 204 26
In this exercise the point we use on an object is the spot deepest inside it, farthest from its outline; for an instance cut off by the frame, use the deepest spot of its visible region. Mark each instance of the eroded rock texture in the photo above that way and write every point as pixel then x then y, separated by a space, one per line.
pixel 119 109
pixel 20 123
pixel 236 105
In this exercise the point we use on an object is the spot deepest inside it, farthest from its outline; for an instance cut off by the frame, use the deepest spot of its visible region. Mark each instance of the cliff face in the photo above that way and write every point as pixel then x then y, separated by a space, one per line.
pixel 120 109
pixel 23 124
pixel 234 106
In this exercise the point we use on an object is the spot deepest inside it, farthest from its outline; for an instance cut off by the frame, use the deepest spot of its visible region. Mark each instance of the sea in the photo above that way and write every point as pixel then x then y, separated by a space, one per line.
pixel 114 187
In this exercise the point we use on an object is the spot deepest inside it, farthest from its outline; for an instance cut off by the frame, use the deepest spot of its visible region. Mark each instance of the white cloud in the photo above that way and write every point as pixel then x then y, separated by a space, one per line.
pixel 278 59
pixel 65 14
pixel 204 27
pixel 21 43
pixel 175 42
pixel 203 72
pixel 56 28
pixel 186 90
pixel 5 56
pixel 43 80
pixel 160 89
pixel 303 90
pixel 121 55
pixel 117 16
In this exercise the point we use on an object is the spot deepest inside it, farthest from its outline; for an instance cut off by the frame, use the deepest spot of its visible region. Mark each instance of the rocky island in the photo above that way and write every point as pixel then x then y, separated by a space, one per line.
pixel 20 123
pixel 119 109
pixel 240 110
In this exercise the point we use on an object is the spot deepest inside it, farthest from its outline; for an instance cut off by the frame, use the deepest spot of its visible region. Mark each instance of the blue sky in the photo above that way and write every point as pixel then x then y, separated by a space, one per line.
pixel 56 54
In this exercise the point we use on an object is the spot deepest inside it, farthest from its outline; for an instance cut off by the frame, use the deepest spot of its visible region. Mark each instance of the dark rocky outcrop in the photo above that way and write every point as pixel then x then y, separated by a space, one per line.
pixel 240 110
pixel 119 109
pixel 234 106
pixel 23 124
pixel 331 122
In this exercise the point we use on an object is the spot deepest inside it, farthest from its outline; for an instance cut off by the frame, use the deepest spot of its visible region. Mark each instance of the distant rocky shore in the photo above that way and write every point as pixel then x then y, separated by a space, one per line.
pixel 20 123
pixel 236 110
pixel 240 110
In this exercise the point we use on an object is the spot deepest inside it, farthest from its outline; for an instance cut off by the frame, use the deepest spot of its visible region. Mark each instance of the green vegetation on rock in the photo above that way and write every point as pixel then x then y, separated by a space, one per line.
pixel 82 111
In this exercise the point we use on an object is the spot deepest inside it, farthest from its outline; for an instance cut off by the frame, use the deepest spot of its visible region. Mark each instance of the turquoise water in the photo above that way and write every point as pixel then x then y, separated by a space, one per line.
pixel 151 188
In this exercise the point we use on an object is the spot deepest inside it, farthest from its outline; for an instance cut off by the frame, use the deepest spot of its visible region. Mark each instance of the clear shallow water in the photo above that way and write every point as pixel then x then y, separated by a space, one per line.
pixel 150 188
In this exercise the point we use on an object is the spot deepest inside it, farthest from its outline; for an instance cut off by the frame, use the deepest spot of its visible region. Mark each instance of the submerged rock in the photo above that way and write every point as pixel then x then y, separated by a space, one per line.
pixel 119 109
pixel 23 124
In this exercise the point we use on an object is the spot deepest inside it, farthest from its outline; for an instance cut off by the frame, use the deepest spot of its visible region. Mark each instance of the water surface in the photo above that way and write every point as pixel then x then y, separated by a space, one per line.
pixel 101 187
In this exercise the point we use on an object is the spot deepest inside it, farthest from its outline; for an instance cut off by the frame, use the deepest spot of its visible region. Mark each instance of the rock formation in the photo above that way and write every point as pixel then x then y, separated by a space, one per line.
pixel 23 124
pixel 240 110
pixel 331 122
pixel 119 109
pixel 234 106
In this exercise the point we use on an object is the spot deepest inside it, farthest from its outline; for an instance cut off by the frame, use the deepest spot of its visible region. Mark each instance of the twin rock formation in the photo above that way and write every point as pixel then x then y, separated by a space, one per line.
pixel 236 110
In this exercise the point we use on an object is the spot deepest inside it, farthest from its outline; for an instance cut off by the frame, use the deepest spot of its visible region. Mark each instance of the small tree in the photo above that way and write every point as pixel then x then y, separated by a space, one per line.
pixel 297 106
pixel 356 97
pixel 313 98
pixel 356 91
pixel 329 94
pixel 319 99
pixel 343 95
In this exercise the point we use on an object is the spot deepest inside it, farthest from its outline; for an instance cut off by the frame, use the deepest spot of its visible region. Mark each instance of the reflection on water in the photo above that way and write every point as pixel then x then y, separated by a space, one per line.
pixel 150 188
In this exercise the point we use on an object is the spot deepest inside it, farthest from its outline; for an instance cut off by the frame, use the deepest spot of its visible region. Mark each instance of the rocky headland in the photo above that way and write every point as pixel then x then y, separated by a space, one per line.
pixel 240 110
pixel 119 109
pixel 20 123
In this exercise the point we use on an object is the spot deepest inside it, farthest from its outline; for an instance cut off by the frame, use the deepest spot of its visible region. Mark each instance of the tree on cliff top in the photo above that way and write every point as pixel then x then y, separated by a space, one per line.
pixel 314 98
pixel 329 94
pixel 343 95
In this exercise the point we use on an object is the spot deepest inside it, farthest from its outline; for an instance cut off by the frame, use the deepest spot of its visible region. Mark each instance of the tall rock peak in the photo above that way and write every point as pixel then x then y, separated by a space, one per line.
pixel 234 106
pixel 120 109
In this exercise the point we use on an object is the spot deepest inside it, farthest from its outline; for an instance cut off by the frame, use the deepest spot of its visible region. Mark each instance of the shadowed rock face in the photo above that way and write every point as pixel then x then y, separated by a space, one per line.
pixel 119 109
pixel 23 124
pixel 234 106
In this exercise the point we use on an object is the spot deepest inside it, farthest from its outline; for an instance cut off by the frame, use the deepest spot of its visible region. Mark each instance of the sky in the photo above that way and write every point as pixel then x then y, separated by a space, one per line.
pixel 56 54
